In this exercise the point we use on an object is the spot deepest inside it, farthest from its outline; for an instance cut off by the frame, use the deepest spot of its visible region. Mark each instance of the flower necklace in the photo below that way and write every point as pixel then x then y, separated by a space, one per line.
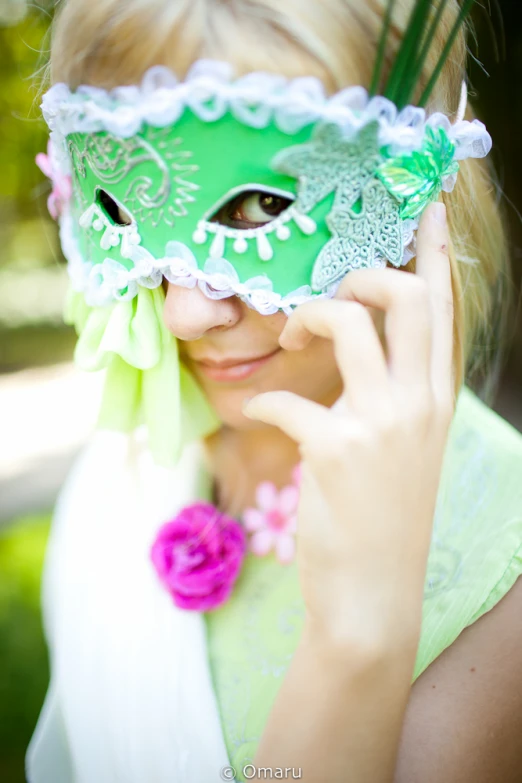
pixel 198 555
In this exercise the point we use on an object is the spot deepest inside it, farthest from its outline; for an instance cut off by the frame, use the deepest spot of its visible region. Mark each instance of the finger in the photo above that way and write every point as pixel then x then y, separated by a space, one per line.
pixel 433 266
pixel 358 351
pixel 299 418
pixel 405 300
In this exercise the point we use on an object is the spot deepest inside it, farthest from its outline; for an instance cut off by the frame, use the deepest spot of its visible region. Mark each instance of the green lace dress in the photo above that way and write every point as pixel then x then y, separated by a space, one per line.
pixel 475 558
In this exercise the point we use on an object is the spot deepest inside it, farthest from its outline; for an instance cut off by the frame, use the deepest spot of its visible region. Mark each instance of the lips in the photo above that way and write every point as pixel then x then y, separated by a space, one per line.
pixel 231 370
pixel 226 363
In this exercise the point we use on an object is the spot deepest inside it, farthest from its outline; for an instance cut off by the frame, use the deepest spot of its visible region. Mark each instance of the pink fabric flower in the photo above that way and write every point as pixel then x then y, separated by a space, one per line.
pixel 274 523
pixel 198 556
pixel 62 184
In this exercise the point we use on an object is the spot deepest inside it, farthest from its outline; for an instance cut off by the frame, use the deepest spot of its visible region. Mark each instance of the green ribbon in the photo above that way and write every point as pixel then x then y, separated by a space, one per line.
pixel 145 381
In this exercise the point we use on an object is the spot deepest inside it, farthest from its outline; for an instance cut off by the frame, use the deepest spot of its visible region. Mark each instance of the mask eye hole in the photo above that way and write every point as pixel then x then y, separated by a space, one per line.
pixel 251 209
pixel 115 213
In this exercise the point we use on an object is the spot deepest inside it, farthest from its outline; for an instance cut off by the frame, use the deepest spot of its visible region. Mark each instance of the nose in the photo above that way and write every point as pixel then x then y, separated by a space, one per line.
pixel 189 313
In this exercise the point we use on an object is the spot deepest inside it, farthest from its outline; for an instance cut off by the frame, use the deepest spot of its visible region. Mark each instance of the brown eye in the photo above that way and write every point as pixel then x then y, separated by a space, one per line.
pixel 112 209
pixel 272 205
pixel 251 209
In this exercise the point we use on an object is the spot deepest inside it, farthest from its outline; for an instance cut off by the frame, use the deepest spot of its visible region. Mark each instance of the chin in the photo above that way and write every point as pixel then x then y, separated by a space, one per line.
pixel 228 406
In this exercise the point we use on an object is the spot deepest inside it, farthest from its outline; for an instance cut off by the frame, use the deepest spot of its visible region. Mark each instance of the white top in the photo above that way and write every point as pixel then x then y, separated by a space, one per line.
pixel 131 697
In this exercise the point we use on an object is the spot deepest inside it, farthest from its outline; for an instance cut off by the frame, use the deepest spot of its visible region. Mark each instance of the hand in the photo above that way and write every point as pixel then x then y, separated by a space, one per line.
pixel 372 463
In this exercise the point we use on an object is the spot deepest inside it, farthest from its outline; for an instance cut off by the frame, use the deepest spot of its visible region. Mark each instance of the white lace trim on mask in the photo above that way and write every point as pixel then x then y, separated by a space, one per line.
pixel 111 281
pixel 257 99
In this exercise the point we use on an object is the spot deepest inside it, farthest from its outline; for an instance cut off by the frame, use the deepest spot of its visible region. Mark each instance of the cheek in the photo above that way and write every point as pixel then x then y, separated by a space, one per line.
pixel 311 373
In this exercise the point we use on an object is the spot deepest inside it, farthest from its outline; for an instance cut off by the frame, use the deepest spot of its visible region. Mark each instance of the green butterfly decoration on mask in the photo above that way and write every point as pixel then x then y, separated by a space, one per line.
pixel 418 178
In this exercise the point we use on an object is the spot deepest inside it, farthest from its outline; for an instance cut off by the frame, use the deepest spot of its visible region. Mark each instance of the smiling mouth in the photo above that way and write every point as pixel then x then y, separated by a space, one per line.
pixel 232 369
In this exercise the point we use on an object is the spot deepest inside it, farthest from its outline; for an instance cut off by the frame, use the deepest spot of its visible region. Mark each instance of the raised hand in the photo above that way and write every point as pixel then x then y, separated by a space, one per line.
pixel 372 463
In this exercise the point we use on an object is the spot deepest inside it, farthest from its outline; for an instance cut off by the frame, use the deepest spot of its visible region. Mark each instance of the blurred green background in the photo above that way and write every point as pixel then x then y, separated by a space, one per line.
pixel 47 409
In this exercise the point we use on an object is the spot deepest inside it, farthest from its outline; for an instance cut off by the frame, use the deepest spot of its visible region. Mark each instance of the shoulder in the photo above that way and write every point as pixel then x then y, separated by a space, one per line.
pixel 464 717
pixel 480 486
pixel 476 423
pixel 476 550
pixel 479 511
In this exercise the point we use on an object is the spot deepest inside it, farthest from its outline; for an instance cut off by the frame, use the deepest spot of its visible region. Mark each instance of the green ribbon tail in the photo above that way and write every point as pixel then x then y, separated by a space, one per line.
pixel 145 381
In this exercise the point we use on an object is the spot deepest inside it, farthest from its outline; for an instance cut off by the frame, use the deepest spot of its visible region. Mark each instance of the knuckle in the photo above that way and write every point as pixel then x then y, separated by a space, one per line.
pixel 426 411
pixel 356 310
pixel 415 290
pixel 444 304
pixel 391 428
pixel 354 281
pixel 332 449
pixel 388 422
pixel 417 409
pixel 339 447
pixel 353 318
pixel 422 409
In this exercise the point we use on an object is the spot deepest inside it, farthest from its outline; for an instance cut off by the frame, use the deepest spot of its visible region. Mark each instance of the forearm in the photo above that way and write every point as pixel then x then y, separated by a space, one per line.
pixel 339 712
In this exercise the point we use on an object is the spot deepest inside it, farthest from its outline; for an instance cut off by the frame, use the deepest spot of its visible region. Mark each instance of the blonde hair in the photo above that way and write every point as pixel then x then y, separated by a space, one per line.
pixel 112 42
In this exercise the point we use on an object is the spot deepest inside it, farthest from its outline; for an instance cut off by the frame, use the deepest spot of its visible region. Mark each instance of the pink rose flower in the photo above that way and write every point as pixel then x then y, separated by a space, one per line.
pixel 62 185
pixel 198 556
pixel 274 522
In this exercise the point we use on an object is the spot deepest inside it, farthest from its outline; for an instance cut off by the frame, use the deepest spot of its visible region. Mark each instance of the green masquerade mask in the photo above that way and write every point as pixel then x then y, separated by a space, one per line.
pixel 258 187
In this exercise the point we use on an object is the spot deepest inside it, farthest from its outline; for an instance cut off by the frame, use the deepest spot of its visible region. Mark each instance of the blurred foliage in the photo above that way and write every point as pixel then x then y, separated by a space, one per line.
pixel 14 11
pixel 22 131
pixel 33 277
pixel 23 655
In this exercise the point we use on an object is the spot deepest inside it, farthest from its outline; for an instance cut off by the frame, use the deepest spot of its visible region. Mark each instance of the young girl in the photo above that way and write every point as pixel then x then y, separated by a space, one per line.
pixel 372 629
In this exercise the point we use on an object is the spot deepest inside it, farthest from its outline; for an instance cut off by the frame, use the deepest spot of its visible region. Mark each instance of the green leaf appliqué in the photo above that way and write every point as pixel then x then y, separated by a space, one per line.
pixel 364 220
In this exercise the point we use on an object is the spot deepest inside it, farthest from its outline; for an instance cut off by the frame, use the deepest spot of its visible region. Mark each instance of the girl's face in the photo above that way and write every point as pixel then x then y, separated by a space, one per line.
pixel 222 332
pixel 228 331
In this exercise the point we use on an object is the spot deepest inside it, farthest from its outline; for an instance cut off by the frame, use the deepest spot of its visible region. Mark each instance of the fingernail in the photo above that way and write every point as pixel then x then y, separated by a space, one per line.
pixel 244 405
pixel 438 211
